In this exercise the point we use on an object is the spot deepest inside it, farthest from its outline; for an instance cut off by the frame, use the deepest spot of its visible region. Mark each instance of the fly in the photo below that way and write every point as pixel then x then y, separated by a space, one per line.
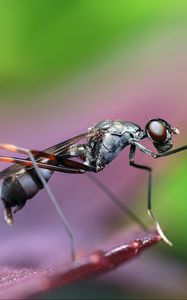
pixel 103 143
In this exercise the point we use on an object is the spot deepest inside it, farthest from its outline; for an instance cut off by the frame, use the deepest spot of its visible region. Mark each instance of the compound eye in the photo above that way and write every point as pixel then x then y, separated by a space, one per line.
pixel 157 131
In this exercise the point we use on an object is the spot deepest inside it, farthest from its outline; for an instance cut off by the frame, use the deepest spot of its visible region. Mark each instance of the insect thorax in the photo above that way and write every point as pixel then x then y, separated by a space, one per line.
pixel 115 137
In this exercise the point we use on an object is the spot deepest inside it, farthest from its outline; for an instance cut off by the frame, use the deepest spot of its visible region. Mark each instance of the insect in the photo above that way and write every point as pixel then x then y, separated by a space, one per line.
pixel 103 143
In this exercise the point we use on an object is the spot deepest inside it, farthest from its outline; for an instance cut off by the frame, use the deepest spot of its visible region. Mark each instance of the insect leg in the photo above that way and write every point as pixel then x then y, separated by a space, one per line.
pixel 149 170
pixel 13 148
pixel 171 152
pixel 116 201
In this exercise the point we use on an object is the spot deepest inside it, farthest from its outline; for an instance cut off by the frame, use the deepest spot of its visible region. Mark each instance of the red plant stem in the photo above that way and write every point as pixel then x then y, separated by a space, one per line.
pixel 24 284
pixel 100 262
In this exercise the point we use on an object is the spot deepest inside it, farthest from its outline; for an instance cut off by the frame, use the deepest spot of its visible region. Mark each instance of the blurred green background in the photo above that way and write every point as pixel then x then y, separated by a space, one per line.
pixel 44 41
pixel 51 46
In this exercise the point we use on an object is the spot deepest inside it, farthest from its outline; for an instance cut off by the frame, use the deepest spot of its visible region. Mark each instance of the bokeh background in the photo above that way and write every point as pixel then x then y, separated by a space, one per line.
pixel 64 66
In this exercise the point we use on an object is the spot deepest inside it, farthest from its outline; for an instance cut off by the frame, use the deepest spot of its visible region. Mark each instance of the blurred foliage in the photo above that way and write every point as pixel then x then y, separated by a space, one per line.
pixel 169 198
pixel 169 205
pixel 44 40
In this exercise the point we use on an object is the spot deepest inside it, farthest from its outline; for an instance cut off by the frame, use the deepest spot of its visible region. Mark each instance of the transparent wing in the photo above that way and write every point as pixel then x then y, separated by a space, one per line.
pixel 62 147
pixel 58 149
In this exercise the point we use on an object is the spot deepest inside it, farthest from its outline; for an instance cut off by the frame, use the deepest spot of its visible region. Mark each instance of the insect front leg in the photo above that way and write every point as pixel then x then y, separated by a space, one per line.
pixel 143 149
pixel 171 152
pixel 149 205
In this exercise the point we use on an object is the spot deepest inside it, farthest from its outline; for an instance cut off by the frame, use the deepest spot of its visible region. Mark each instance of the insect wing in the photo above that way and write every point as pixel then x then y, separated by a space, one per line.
pixel 62 147
pixel 58 149
pixel 10 170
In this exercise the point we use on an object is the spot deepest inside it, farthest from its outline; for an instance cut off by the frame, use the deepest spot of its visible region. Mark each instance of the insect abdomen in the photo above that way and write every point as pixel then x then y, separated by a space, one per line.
pixel 16 190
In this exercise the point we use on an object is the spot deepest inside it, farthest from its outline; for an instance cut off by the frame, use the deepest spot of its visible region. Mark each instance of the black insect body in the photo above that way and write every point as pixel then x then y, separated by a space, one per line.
pixel 103 143
pixel 19 188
